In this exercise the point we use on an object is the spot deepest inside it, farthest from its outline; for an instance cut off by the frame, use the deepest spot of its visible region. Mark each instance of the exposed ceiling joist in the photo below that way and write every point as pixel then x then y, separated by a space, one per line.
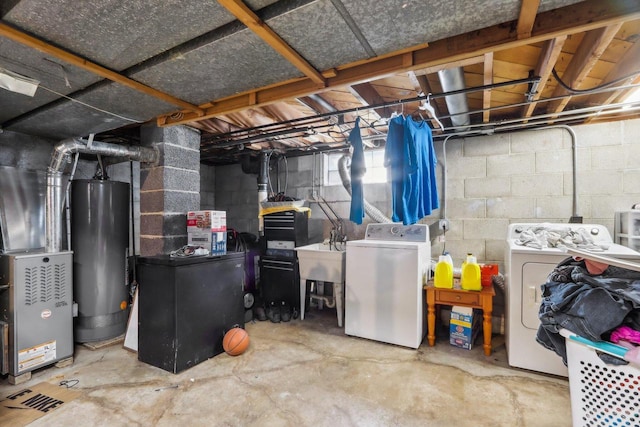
pixel 255 24
pixel 571 19
pixel 488 80
pixel 369 96
pixel 546 61
pixel 527 18
pixel 630 61
pixel 453 64
pixel 591 49
pixel 35 43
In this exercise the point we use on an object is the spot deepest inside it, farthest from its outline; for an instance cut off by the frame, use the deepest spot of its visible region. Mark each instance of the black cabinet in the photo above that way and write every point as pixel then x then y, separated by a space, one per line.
pixel 185 307
pixel 279 276
pixel 280 280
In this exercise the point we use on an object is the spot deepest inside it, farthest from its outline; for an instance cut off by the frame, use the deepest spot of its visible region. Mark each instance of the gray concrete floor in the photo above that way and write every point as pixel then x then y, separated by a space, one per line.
pixel 308 373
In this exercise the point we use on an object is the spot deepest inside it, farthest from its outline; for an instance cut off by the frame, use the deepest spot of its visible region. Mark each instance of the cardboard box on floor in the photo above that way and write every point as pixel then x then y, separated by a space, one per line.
pixel 464 326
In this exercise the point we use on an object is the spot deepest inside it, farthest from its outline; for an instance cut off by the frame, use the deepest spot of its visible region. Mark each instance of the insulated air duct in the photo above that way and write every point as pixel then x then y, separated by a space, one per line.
pixel 371 210
pixel 61 156
pixel 452 79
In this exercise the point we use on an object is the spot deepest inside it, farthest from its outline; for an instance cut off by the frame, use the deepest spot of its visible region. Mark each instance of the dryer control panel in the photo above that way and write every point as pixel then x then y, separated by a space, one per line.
pixel 398 232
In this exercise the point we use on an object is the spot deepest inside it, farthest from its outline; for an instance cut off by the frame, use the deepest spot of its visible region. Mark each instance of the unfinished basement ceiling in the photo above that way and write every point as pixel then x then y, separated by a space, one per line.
pixel 292 75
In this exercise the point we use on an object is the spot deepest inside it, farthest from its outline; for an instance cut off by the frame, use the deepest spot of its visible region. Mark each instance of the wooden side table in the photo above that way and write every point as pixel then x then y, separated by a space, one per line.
pixel 482 299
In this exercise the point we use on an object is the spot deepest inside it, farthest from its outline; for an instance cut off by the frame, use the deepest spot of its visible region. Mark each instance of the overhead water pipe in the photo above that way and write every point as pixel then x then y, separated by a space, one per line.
pixel 61 156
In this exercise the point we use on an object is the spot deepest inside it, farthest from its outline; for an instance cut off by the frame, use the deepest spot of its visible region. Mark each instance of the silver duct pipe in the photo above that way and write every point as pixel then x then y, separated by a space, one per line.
pixel 452 79
pixel 371 210
pixel 61 156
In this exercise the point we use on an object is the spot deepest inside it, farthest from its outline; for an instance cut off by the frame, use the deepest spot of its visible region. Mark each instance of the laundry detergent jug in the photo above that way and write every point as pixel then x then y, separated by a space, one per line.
pixel 443 274
pixel 470 277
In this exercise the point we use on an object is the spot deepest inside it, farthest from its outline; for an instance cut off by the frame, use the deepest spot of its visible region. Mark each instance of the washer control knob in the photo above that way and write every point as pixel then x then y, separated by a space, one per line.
pixel 395 230
pixel 595 231
pixel 518 230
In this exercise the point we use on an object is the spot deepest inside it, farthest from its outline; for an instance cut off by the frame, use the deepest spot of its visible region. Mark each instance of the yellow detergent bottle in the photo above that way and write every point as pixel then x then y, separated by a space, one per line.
pixel 470 278
pixel 443 274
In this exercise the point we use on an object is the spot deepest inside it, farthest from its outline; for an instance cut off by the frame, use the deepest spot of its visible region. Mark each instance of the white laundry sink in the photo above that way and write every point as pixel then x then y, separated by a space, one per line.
pixel 321 262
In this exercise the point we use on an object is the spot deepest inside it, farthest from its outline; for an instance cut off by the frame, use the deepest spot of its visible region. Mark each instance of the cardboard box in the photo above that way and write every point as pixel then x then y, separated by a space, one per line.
pixel 216 241
pixel 206 221
pixel 464 326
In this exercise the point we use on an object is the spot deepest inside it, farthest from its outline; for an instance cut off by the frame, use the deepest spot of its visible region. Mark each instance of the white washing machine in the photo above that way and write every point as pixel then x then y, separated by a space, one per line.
pixel 527 269
pixel 385 275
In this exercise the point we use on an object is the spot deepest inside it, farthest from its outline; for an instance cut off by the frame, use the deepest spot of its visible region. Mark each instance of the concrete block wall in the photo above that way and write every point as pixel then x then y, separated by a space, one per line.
pixel 492 181
pixel 236 193
pixel 169 189
pixel 207 187
pixel 527 176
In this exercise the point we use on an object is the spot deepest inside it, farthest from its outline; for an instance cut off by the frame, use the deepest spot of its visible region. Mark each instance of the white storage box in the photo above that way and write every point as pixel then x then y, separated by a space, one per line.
pixel 601 394
pixel 215 242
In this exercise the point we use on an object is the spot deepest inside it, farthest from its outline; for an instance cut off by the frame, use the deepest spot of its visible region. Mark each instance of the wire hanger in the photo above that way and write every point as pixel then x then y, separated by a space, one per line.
pixel 401 113
pixel 426 106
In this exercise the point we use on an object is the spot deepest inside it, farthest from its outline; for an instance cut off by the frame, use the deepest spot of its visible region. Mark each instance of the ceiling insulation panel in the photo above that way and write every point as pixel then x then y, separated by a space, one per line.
pixel 319 34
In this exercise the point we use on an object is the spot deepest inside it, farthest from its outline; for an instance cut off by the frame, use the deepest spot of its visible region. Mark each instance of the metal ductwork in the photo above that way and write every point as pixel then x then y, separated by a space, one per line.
pixel 452 79
pixel 61 156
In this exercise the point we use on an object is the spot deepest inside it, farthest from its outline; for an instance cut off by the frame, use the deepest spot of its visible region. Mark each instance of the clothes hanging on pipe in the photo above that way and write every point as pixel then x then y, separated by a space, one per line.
pixel 358 169
pixel 395 161
pixel 424 191
pixel 411 159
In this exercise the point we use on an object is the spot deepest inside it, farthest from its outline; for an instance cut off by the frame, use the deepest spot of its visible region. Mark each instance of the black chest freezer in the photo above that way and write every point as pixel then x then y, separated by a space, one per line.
pixel 185 307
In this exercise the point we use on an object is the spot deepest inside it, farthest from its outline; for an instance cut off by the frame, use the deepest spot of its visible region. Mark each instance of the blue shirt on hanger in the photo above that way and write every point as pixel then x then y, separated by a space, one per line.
pixel 358 169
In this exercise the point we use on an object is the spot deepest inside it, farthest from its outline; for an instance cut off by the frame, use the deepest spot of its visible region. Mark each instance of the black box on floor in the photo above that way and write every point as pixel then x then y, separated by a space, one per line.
pixel 185 307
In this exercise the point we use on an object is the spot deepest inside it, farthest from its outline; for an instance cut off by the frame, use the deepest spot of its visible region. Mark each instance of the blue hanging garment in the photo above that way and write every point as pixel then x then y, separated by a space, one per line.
pixel 420 192
pixel 358 169
pixel 394 160
pixel 412 189
pixel 410 157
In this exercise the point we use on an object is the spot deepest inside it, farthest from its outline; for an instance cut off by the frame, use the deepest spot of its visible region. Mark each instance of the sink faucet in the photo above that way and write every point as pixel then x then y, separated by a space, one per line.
pixel 337 236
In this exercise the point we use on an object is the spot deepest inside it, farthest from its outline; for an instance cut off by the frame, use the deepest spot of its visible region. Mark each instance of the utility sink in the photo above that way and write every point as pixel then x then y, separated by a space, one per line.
pixel 321 262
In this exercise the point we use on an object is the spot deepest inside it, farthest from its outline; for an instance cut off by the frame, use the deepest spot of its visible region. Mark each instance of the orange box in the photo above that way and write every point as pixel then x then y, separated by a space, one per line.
pixel 487 271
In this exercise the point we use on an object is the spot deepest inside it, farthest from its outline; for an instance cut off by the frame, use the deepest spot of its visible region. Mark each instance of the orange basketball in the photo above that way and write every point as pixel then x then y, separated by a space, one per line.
pixel 235 341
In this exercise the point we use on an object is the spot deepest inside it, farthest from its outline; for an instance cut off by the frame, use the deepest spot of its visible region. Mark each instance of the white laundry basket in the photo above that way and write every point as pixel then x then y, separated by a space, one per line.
pixel 601 394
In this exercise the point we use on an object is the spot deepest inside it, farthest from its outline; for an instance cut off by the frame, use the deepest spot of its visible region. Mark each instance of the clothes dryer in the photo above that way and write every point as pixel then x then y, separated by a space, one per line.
pixel 526 270
pixel 384 284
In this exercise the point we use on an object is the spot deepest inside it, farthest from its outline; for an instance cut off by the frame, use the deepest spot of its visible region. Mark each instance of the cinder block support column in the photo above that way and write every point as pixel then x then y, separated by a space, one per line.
pixel 169 189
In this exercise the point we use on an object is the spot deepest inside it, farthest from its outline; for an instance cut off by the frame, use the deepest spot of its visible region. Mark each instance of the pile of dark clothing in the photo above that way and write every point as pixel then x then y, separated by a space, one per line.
pixel 591 306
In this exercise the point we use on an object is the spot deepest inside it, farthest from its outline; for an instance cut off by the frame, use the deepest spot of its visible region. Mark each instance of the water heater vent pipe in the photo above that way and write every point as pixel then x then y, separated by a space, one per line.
pixel 61 156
